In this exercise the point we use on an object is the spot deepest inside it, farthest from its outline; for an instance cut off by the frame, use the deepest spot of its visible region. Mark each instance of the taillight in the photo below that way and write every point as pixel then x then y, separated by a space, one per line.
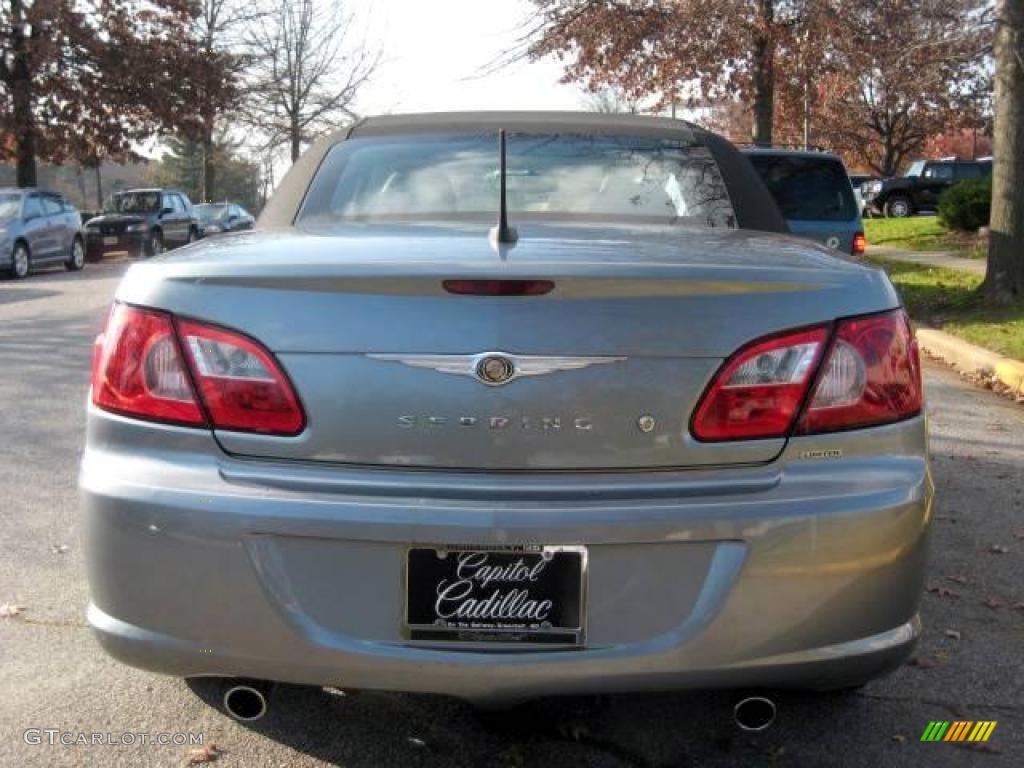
pixel 241 385
pixel 758 392
pixel 872 376
pixel 859 244
pixel 139 369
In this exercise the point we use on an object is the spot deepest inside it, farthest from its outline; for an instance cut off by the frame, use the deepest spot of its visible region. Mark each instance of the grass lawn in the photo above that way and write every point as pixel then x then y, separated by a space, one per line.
pixel 946 299
pixel 922 233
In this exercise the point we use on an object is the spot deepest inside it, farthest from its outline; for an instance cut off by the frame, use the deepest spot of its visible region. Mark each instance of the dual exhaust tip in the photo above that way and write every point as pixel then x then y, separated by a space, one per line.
pixel 247 701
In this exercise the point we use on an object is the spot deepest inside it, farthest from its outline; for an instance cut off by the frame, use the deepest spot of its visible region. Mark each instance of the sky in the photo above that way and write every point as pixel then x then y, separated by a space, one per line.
pixel 434 51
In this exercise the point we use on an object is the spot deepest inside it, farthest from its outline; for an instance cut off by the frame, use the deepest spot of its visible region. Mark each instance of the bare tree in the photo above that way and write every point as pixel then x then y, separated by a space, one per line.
pixel 1004 278
pixel 612 100
pixel 218 30
pixel 307 71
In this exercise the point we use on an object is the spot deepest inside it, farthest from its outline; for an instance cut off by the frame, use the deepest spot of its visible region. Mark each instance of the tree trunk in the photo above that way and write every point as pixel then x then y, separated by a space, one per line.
pixel 21 111
pixel 296 142
pixel 1004 276
pixel 764 75
pixel 209 192
pixel 99 187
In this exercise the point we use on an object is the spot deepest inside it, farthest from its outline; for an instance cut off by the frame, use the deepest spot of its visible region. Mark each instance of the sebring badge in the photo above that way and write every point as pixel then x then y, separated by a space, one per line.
pixel 496 368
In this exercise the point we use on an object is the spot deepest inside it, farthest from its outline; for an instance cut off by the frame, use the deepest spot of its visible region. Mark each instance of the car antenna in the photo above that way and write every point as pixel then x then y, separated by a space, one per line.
pixel 503 233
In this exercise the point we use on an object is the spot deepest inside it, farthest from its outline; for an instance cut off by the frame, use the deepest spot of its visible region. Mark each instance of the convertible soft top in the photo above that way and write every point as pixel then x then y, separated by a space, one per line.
pixel 752 203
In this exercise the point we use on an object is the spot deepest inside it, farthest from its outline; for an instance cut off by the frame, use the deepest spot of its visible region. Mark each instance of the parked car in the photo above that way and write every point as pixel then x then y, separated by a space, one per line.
pixel 215 218
pixel 38 228
pixel 920 188
pixel 509 404
pixel 857 181
pixel 142 222
pixel 814 194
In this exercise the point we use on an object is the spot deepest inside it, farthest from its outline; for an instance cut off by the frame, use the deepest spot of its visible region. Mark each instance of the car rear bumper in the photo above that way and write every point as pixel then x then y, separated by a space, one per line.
pixel 806 572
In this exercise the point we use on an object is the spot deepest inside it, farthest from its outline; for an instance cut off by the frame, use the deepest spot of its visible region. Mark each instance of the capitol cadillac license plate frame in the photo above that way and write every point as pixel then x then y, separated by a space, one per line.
pixel 520 637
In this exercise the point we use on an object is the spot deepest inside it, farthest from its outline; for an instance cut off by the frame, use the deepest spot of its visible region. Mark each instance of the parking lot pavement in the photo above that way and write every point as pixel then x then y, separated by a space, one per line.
pixel 54 676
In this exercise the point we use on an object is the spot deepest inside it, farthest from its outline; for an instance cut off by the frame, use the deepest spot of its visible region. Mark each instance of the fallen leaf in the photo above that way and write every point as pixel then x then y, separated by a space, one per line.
pixel 927 662
pixel 60 549
pixel 953 633
pixel 8 610
pixel 899 738
pixel 998 549
pixel 944 591
pixel 993 602
pixel 204 754
pixel 958 579
pixel 416 742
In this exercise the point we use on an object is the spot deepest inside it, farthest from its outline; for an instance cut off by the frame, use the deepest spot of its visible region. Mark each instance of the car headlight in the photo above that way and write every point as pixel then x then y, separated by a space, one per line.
pixel 140 227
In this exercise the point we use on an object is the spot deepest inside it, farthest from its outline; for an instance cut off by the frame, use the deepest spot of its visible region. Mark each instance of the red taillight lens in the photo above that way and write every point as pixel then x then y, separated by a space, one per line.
pixel 758 391
pixel 241 385
pixel 138 371
pixel 859 244
pixel 872 376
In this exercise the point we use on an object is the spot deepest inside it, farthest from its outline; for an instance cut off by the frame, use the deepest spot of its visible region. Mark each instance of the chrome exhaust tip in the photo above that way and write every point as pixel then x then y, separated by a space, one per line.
pixel 754 713
pixel 247 701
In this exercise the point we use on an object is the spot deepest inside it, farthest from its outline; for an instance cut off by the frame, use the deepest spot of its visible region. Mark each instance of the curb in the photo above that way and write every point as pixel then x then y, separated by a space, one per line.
pixel 973 360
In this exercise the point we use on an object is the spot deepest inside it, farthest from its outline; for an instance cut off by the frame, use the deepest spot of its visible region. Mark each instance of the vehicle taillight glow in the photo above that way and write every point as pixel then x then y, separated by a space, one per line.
pixel 138 370
pixel 859 244
pixel 758 392
pixel 241 385
pixel 872 376
pixel 142 364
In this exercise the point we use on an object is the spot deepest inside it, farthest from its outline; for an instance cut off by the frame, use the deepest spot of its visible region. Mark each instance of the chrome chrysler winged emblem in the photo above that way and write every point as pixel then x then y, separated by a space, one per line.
pixel 496 368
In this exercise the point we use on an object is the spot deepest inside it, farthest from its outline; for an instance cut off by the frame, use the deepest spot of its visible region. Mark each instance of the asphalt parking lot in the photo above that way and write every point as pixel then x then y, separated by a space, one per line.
pixel 54 676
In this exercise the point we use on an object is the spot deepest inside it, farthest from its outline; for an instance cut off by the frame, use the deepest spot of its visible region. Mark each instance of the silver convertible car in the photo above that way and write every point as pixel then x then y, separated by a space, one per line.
pixel 502 405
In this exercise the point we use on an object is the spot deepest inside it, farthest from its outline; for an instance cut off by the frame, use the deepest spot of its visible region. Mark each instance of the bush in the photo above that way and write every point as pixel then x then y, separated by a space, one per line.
pixel 966 205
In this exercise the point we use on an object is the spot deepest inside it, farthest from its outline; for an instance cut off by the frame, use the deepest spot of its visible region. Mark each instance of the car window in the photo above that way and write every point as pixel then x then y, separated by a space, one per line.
pixel 968 171
pixel 67 207
pixel 10 205
pixel 916 168
pixel 549 176
pixel 33 207
pixel 167 203
pixel 209 211
pixel 133 202
pixel 807 188
pixel 179 204
pixel 939 172
pixel 51 205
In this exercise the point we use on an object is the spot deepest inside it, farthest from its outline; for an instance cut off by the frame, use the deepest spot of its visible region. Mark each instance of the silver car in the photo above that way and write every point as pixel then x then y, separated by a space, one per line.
pixel 38 228
pixel 501 405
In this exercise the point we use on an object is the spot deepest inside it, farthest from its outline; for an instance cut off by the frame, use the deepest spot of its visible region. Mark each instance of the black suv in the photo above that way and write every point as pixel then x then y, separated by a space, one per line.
pixel 921 186
pixel 143 222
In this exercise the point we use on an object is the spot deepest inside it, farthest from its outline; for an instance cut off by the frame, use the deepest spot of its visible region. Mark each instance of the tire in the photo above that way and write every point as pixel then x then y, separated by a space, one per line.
pixel 77 258
pixel 21 261
pixel 154 243
pixel 898 207
pixel 192 236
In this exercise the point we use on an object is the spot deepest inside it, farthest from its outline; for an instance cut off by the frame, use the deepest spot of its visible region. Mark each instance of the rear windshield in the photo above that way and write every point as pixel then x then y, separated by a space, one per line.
pixel 133 202
pixel 210 212
pixel 549 176
pixel 807 188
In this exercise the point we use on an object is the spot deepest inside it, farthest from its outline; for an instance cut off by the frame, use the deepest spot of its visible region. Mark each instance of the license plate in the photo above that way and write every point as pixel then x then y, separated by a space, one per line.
pixel 110 240
pixel 508 595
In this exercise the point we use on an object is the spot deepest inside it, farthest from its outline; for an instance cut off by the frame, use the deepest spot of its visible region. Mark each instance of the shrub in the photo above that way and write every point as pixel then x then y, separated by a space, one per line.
pixel 965 206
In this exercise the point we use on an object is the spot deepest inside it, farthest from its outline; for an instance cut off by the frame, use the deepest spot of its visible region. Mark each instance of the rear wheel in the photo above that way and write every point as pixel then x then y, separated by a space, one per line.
pixel 77 258
pixel 898 207
pixel 155 243
pixel 21 262
pixel 192 237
